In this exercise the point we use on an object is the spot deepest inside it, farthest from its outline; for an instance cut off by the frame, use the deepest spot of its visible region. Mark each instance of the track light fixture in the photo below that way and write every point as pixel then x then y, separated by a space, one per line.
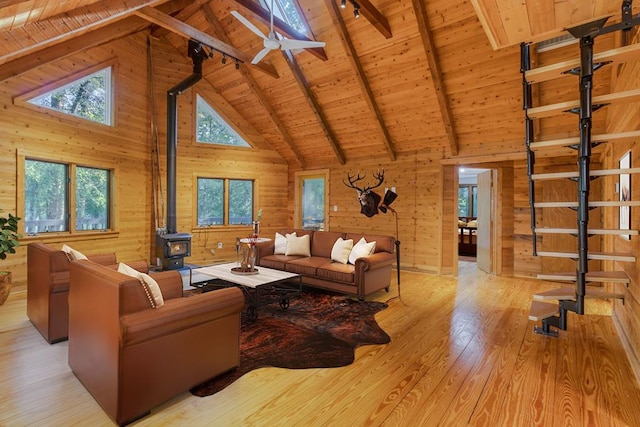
pixel 356 7
pixel 198 48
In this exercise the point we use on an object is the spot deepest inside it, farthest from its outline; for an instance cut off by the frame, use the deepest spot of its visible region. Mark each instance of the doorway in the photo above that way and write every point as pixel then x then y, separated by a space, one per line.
pixel 311 208
pixel 475 218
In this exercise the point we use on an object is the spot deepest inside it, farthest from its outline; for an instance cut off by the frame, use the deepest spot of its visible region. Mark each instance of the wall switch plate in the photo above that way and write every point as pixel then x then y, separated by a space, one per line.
pixel 335 208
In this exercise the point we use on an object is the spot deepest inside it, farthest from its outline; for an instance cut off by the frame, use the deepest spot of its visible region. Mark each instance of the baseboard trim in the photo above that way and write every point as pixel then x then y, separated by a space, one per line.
pixel 628 348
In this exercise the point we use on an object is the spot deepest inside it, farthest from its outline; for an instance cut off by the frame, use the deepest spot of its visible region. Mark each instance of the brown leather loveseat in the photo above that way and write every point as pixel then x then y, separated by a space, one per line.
pixel 48 287
pixel 364 276
pixel 132 357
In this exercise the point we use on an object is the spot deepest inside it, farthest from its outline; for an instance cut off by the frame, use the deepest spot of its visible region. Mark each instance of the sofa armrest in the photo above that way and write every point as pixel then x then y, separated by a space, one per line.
pixel 181 313
pixel 103 259
pixel 264 249
pixel 375 261
pixel 170 283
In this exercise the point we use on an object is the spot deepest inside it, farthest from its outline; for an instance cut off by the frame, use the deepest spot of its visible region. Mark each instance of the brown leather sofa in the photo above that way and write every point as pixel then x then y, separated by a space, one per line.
pixel 368 275
pixel 48 287
pixel 132 357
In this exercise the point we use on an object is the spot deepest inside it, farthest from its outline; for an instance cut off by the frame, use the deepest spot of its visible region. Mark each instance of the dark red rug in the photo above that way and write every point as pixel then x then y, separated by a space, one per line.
pixel 318 330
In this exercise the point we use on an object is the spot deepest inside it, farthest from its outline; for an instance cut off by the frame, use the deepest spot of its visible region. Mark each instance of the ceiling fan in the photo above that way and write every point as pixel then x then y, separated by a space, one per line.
pixel 271 42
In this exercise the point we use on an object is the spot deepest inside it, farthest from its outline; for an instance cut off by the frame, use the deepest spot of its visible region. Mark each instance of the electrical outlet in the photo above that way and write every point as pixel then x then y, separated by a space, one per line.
pixel 219 245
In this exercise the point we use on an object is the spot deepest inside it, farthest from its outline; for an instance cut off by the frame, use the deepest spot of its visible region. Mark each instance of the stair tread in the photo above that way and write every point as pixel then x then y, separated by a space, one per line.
pixel 542 310
pixel 559 69
pixel 592 276
pixel 620 136
pixel 593 203
pixel 576 174
pixel 570 293
pixel 611 256
pixel 589 231
pixel 632 95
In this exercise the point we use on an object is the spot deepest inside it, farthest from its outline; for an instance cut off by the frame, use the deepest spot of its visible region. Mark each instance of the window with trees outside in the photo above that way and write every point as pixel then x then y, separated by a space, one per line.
pixel 468 200
pixel 288 11
pixel 49 206
pixel 89 97
pixel 223 201
pixel 212 129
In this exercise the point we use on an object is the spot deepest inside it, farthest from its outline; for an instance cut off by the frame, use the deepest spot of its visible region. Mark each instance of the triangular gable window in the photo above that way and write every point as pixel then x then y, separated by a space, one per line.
pixel 288 11
pixel 213 129
pixel 89 97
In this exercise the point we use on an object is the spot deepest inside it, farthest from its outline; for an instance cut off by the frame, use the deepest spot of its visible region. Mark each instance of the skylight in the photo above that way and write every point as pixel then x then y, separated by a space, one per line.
pixel 213 129
pixel 89 97
pixel 288 12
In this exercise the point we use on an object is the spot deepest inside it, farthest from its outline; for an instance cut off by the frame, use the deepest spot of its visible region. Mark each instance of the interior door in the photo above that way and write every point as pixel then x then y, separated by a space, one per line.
pixel 485 198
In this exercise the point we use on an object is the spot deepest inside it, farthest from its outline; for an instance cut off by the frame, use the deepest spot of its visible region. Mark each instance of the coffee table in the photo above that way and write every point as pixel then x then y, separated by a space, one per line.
pixel 256 286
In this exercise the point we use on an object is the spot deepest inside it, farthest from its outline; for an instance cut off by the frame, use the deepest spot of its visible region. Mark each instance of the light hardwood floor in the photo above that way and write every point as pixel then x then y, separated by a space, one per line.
pixel 462 353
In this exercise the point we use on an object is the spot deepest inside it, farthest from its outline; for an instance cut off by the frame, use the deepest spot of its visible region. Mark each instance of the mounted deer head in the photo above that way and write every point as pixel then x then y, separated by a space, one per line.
pixel 368 199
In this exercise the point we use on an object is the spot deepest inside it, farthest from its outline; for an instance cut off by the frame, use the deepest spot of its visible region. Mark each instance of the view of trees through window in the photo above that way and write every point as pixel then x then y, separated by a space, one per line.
pixel 287 11
pixel 212 129
pixel 468 200
pixel 211 201
pixel 88 97
pixel 313 203
pixel 47 202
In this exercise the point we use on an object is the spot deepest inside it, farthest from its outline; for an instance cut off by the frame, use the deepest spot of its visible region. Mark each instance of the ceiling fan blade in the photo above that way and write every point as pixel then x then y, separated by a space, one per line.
pixel 260 55
pixel 248 24
pixel 286 44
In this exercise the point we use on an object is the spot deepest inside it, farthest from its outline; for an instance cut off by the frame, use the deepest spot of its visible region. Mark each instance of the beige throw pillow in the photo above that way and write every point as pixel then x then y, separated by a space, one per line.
pixel 298 245
pixel 280 245
pixel 361 249
pixel 341 250
pixel 151 287
pixel 73 254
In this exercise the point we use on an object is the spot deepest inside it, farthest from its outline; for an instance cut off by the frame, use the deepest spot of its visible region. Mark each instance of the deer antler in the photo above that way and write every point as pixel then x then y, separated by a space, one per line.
pixel 380 177
pixel 353 179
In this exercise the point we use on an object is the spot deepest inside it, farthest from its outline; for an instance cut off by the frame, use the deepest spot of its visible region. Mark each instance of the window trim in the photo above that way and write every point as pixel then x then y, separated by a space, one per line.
pixel 23 100
pixel 226 178
pixel 299 177
pixel 72 234
pixel 471 205
pixel 222 116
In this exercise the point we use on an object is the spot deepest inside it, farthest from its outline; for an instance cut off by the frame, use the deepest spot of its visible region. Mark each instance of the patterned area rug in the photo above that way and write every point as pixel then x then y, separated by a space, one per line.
pixel 318 330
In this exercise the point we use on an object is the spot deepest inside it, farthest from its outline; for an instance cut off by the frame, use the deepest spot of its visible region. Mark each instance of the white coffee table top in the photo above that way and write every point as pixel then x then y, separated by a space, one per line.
pixel 265 275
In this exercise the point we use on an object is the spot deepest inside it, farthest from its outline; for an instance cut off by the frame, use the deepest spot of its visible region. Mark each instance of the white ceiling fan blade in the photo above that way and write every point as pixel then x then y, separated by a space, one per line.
pixel 248 24
pixel 286 44
pixel 260 55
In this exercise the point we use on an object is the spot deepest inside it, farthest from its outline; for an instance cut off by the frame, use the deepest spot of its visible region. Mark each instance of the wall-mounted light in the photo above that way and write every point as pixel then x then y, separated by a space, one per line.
pixel 343 3
pixel 356 7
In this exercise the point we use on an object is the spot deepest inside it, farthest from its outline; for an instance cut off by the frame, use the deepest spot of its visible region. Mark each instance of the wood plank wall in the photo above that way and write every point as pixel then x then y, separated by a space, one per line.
pixel 128 146
pixel 624 118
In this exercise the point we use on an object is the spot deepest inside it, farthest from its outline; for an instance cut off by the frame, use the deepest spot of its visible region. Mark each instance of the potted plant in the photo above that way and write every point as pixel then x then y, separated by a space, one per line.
pixel 8 241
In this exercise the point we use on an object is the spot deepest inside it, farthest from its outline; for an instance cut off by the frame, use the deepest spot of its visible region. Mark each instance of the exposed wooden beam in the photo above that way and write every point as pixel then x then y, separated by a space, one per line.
pixel 361 76
pixel 190 32
pixel 98 9
pixel 183 9
pixel 284 28
pixel 374 16
pixel 97 37
pixel 436 75
pixel 314 104
pixel 253 84
pixel 8 3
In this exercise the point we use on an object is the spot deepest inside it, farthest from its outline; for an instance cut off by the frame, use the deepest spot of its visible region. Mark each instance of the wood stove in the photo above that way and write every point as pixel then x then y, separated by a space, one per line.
pixel 172 248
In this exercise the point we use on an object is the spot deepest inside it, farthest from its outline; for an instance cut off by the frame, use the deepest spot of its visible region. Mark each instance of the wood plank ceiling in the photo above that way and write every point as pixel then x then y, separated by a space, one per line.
pixel 406 77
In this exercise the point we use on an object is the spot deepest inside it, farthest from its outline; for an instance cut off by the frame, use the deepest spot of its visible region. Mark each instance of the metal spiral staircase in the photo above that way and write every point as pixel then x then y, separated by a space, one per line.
pixel 572 298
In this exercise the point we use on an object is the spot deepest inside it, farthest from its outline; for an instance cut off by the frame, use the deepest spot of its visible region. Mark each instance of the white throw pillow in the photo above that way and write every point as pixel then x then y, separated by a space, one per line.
pixel 341 250
pixel 360 249
pixel 72 254
pixel 298 245
pixel 280 245
pixel 154 292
